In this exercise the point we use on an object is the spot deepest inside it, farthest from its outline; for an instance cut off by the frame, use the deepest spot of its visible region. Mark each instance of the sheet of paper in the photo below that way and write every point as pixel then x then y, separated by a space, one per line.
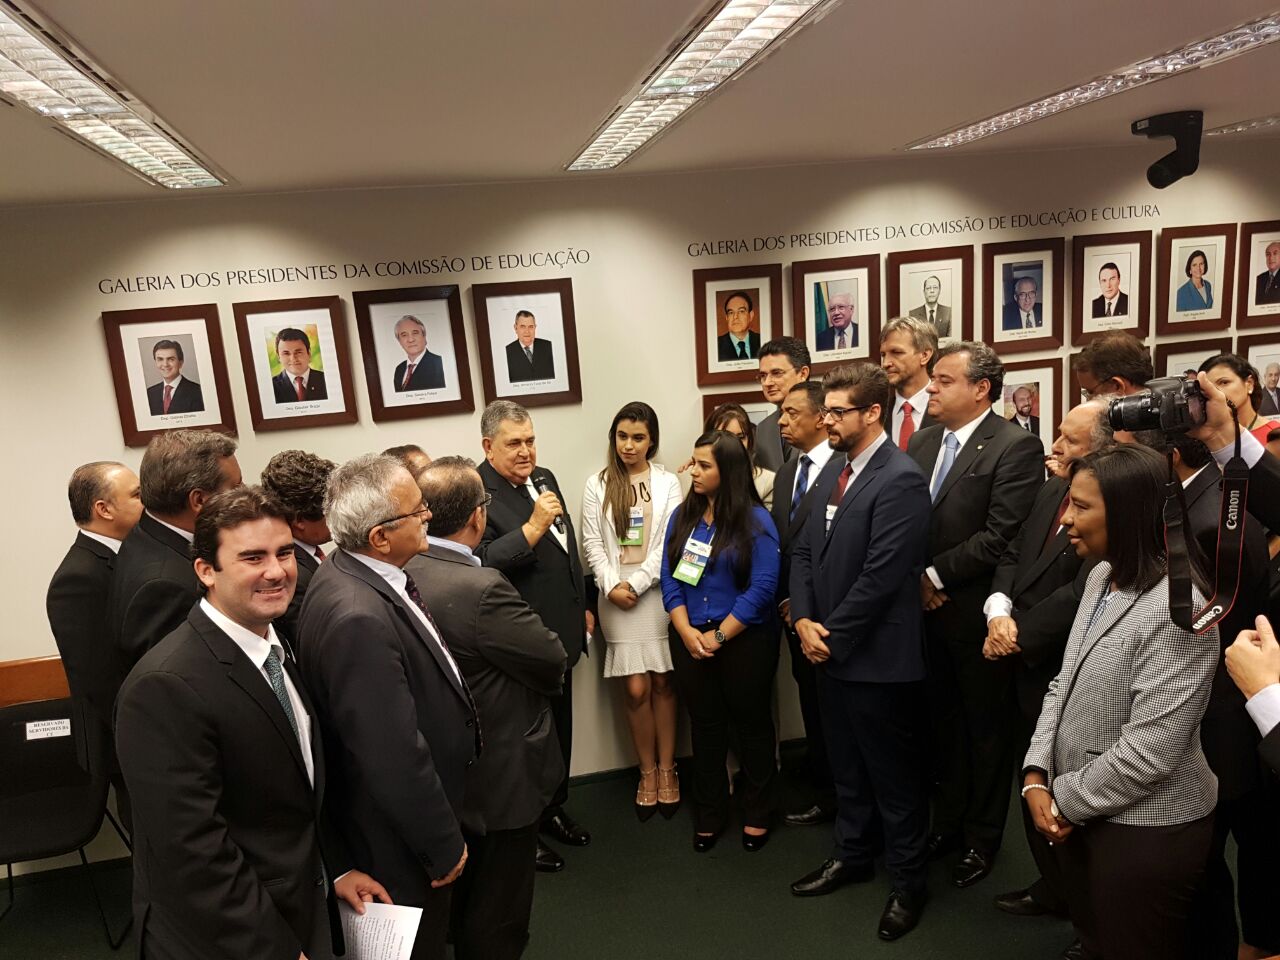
pixel 384 932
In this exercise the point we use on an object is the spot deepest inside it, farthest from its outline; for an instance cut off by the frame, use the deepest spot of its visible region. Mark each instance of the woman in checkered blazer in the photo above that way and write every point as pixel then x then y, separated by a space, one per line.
pixel 1115 778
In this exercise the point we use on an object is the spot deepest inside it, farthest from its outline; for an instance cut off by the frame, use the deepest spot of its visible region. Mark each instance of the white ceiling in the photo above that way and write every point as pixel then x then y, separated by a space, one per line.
pixel 314 94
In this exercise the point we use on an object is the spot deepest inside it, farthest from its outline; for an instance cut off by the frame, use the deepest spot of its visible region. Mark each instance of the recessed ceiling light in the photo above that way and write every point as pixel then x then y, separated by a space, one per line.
pixel 1193 56
pixel 735 35
pixel 40 73
pixel 1258 124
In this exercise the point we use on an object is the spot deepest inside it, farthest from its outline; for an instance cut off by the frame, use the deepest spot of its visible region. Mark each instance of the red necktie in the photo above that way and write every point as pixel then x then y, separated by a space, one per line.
pixel 168 397
pixel 1057 521
pixel 908 427
pixel 408 375
pixel 841 482
pixel 297 385
pixel 319 554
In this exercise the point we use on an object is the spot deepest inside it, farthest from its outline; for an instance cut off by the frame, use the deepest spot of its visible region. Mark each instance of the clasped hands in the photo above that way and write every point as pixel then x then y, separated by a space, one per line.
pixel 931 598
pixel 1002 638
pixel 812 636
pixel 701 645
pixel 1040 804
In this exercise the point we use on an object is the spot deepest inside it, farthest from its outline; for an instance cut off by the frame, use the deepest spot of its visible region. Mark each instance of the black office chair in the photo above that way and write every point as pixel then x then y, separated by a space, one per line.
pixel 53 796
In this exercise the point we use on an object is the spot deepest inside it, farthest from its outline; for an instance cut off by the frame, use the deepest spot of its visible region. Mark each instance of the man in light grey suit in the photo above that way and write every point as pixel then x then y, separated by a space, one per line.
pixel 939 314
pixel 513 665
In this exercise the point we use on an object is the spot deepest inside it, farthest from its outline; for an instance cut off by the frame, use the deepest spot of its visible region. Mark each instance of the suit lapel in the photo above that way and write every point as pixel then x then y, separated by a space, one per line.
pixel 863 480
pixel 969 452
pixel 1038 532
pixel 1119 604
pixel 99 550
pixel 926 452
pixel 162 534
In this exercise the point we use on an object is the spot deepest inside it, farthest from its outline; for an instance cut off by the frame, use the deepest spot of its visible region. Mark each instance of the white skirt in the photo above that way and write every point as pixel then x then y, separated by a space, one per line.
pixel 635 639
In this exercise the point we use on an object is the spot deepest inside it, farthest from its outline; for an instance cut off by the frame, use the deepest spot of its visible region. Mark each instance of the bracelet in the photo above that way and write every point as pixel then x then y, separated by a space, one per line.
pixel 1035 786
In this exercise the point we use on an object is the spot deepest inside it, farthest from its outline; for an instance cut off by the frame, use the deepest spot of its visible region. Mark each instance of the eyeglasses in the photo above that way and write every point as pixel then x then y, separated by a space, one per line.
pixel 765 376
pixel 837 413
pixel 488 499
pixel 422 511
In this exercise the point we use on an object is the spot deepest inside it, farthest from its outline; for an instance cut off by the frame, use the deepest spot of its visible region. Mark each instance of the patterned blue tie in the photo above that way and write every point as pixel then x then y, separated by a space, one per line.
pixel 802 484
pixel 951 446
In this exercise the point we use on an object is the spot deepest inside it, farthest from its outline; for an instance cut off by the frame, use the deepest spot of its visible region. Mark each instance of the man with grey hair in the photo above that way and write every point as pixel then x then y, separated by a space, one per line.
pixel 983 475
pixel 514 665
pixel 1270 391
pixel 397 718
pixel 1025 312
pixel 842 327
pixel 420 369
pixel 908 346
pixel 529 536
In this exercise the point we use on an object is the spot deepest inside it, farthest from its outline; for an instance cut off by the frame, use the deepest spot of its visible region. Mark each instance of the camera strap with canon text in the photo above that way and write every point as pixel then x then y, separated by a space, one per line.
pixel 1231 520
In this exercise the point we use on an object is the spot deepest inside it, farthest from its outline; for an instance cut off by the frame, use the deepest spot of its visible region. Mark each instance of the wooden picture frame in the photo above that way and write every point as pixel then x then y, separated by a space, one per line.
pixel 1005 266
pixel 1258 307
pixel 134 339
pixel 814 285
pixel 325 398
pixel 746 398
pixel 547 373
pixel 1168 351
pixel 1045 378
pixel 1262 350
pixel 1091 256
pixel 903 267
pixel 1218 243
pixel 759 287
pixel 439 381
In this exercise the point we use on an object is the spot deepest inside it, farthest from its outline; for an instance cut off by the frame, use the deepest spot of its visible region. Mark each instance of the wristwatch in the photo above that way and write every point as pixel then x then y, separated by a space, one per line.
pixel 720 637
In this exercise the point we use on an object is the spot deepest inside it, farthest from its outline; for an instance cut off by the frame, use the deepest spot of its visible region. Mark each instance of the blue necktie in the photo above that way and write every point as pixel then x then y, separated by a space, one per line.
pixel 950 447
pixel 802 484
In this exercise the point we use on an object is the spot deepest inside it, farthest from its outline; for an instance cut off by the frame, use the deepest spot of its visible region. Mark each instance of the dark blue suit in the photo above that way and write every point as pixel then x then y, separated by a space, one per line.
pixel 860 580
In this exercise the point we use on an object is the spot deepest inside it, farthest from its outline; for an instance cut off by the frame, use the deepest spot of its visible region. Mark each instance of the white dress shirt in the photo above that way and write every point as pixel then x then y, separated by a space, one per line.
pixel 1251 449
pixel 962 435
pixel 110 542
pixel 440 543
pixel 1264 708
pixel 560 537
pixel 186 535
pixel 818 458
pixel 859 463
pixel 919 403
pixel 257 648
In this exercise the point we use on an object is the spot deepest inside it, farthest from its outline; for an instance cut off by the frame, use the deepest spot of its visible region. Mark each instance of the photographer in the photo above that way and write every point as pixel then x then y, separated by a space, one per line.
pixel 1219 434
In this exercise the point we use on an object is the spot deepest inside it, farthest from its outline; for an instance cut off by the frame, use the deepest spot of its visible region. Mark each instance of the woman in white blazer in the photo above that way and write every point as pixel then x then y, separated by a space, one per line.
pixel 625 511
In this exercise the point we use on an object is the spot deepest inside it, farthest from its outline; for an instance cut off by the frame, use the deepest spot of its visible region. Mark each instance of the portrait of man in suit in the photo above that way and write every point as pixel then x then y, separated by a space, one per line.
pixel 1270 390
pixel 842 326
pixel 938 314
pixel 528 355
pixel 297 382
pixel 1112 301
pixel 1022 400
pixel 1025 312
pixel 174 393
pixel 1267 286
pixel 741 339
pixel 420 369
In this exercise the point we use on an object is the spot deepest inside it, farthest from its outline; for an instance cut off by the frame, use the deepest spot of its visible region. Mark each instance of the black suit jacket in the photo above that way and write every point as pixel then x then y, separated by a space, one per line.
pixel 153 590
pixel 1122 305
pixel 521 368
pixel 979 508
pixel 512 663
pixel 1012 317
pixel 77 607
pixel 1035 424
pixel 771 450
pixel 188 398
pixel 789 527
pixel 549 578
pixel 1264 290
pixel 227 839
pixel 287 626
pixel 861 578
pixel 399 726
pixel 427 375
pixel 826 339
pixel 282 383
pixel 727 350
pixel 1269 407
pixel 1264 491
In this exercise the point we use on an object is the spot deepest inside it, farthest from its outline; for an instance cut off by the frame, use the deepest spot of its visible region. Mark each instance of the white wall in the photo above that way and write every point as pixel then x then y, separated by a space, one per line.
pixel 59 405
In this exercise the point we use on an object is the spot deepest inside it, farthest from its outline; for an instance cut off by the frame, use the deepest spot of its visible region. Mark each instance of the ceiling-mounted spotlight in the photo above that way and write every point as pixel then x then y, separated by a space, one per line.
pixel 1184 126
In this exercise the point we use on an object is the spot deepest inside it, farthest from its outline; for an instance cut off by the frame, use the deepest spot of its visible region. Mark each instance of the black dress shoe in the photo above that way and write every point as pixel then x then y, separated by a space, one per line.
pixel 547 860
pixel 702 842
pixel 900 916
pixel 972 867
pixel 808 818
pixel 1021 903
pixel 1074 952
pixel 940 844
pixel 564 828
pixel 832 875
pixel 751 842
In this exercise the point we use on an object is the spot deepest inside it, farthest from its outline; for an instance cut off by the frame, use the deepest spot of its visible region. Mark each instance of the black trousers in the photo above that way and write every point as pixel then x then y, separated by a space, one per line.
pixel 731 691
pixel 819 762
pixel 433 928
pixel 494 895
pixel 878 734
pixel 1131 890
pixel 972 740
pixel 562 714
pixel 1030 687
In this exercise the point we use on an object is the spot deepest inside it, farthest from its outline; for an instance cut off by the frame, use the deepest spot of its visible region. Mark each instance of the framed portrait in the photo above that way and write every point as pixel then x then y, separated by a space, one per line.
pixel 169 370
pixel 1032 397
pixel 1022 294
pixel 415 352
pixel 297 368
pixel 1194 278
pixel 1259 274
pixel 934 285
pixel 835 308
pixel 753 401
pixel 736 310
pixel 528 341
pixel 1263 351
pixel 1179 359
pixel 1111 277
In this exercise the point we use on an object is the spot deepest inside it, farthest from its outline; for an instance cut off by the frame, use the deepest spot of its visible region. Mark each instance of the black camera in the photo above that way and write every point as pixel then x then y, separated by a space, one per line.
pixel 1169 404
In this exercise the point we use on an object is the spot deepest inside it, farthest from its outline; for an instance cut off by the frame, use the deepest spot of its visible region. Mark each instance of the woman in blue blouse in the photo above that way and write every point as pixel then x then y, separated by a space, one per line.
pixel 1197 292
pixel 719 574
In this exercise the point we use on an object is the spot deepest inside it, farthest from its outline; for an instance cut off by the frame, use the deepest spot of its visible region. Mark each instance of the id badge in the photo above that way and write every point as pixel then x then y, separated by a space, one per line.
pixel 693 561
pixel 831 512
pixel 635 529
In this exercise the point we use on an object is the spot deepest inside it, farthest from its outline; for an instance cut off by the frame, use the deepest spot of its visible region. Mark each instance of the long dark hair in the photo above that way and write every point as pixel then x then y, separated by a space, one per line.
pixel 616 479
pixel 1132 479
pixel 736 528
pixel 736 413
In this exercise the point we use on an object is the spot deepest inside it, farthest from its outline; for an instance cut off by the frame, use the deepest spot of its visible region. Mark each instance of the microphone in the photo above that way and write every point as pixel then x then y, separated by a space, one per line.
pixel 540 482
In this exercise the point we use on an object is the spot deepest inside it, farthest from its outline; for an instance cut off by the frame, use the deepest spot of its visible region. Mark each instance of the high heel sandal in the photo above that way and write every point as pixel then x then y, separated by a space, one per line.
pixel 646 800
pixel 668 796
